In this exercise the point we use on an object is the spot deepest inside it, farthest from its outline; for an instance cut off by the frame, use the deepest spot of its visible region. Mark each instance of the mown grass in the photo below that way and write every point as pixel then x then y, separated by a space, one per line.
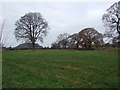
pixel 59 69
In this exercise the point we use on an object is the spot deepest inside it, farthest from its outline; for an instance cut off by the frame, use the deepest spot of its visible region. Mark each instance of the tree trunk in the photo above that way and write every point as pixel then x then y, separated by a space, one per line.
pixel 33 45
pixel 118 27
pixel 89 45
pixel 96 45
pixel 77 45
pixel 85 45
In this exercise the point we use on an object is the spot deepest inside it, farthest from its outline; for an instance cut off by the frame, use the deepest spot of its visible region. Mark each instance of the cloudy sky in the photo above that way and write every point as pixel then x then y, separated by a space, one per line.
pixel 62 17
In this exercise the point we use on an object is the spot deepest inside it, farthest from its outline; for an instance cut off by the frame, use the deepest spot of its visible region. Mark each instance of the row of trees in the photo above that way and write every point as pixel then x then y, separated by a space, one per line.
pixel 86 38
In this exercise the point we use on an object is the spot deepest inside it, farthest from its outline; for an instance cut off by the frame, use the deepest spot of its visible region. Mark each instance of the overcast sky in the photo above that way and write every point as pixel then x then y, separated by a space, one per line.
pixel 62 17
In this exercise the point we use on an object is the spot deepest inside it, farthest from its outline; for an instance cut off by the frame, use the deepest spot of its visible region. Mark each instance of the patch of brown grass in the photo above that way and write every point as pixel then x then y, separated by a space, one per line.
pixel 71 67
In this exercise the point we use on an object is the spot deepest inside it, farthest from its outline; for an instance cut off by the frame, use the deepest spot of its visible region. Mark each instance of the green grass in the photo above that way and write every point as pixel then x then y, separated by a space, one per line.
pixel 59 69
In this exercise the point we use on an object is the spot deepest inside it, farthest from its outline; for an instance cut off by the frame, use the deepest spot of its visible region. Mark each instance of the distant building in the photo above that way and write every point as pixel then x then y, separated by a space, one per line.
pixel 28 46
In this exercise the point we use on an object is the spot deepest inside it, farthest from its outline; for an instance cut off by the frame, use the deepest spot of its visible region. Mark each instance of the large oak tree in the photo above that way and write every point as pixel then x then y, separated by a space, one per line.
pixel 86 38
pixel 90 37
pixel 31 27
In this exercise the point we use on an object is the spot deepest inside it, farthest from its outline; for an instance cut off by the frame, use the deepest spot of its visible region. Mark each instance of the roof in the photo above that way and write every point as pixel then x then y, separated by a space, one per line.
pixel 28 46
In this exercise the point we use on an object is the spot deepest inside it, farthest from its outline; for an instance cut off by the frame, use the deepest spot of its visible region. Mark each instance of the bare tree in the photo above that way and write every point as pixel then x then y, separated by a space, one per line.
pixel 5 38
pixel 1 34
pixel 111 20
pixel 55 45
pixel 30 28
pixel 62 40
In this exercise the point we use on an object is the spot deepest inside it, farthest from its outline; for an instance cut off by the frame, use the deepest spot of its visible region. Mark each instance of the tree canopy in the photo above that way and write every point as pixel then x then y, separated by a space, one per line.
pixel 87 38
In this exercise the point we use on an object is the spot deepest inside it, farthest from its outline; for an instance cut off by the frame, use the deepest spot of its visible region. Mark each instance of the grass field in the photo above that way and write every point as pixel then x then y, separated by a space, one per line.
pixel 59 69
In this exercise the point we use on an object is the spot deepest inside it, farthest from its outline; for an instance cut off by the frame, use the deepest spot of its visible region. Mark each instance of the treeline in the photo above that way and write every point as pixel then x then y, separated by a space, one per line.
pixel 88 38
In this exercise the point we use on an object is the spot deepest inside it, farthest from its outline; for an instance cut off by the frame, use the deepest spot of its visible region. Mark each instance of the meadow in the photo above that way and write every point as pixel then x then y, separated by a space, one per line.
pixel 59 69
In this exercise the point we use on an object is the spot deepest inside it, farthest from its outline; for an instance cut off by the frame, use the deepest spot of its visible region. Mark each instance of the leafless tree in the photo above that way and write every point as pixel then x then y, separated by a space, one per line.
pixel 111 20
pixel 31 27
pixel 62 40
pixel 55 45
pixel 1 34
